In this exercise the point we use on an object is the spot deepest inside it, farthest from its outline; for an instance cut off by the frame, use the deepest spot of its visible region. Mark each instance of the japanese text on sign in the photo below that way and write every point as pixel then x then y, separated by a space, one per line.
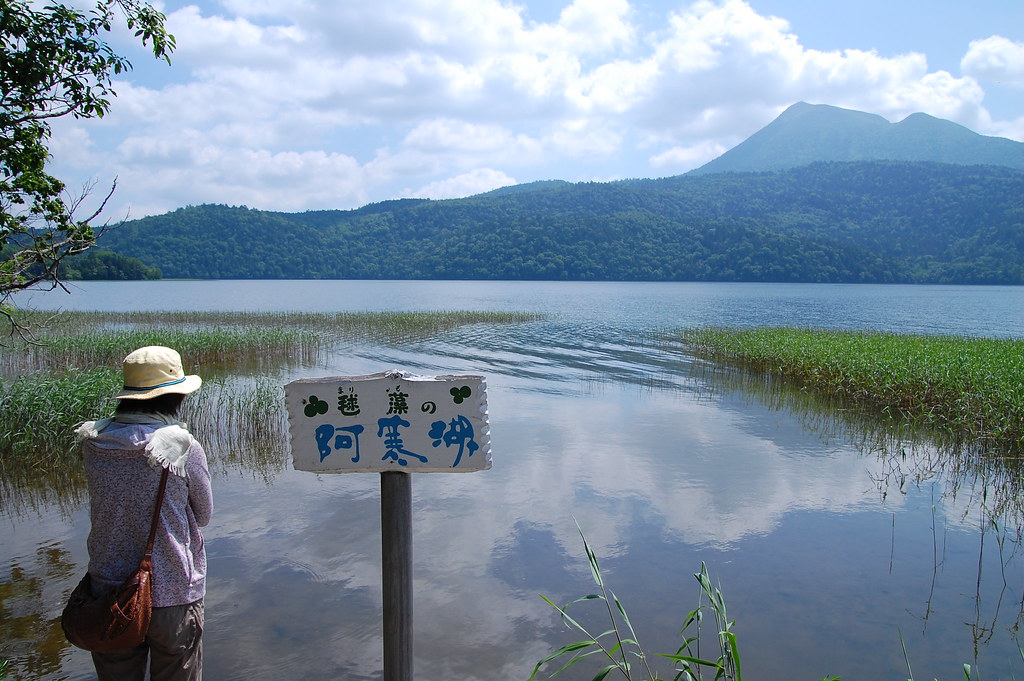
pixel 390 421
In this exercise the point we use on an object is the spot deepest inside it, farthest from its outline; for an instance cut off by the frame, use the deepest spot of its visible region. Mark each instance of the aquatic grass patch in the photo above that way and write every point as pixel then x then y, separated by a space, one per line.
pixel 969 389
pixel 200 347
pixel 242 424
pixel 97 340
pixel 36 409
pixel 38 456
pixel 376 324
pixel 928 407
pixel 219 339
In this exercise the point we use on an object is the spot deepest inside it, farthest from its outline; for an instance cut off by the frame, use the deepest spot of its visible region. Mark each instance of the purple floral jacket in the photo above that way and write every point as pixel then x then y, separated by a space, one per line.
pixel 122 491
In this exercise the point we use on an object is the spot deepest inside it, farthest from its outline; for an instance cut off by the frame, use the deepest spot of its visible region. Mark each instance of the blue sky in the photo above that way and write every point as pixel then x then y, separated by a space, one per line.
pixel 297 105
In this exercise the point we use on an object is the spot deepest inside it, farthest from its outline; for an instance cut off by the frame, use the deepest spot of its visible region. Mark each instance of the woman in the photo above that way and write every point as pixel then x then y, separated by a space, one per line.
pixel 124 457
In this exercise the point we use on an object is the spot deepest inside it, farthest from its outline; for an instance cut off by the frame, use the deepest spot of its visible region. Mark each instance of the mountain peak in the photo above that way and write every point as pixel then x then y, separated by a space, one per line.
pixel 806 133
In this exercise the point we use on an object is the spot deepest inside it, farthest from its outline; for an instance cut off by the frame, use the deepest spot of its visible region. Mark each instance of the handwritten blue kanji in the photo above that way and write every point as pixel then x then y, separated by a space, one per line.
pixel 459 431
pixel 387 428
pixel 344 438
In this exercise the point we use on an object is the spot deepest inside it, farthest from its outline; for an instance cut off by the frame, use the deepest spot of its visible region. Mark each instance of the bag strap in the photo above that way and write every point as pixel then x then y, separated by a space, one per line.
pixel 156 513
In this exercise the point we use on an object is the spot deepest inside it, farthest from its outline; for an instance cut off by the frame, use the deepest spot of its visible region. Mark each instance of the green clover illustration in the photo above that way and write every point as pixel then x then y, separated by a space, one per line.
pixel 315 406
pixel 460 394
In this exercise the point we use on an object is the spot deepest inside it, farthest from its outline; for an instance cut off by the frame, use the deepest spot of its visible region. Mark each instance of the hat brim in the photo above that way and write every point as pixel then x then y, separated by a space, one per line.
pixel 189 385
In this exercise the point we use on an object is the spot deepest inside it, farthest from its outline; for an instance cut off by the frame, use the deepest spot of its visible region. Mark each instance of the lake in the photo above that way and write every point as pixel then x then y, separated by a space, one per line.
pixel 834 549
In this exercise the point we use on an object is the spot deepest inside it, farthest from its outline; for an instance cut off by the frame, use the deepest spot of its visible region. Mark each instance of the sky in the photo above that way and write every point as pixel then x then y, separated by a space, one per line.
pixel 295 105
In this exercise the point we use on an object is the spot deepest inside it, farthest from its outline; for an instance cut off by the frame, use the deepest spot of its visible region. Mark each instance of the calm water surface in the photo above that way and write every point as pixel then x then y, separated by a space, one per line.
pixel 828 549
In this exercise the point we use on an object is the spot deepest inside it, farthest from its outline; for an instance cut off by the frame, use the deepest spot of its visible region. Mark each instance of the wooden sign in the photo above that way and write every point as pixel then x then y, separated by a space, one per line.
pixel 389 421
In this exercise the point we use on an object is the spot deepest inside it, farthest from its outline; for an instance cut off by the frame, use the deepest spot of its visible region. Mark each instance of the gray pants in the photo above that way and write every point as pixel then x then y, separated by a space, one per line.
pixel 174 648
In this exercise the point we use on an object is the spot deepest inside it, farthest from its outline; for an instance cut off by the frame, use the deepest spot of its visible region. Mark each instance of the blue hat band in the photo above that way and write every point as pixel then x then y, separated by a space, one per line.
pixel 154 387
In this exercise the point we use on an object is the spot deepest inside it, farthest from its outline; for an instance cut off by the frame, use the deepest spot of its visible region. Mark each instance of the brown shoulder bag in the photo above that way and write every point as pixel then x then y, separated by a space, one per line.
pixel 120 619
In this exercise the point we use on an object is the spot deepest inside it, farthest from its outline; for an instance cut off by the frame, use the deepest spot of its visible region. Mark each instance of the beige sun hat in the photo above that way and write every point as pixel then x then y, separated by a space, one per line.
pixel 153 371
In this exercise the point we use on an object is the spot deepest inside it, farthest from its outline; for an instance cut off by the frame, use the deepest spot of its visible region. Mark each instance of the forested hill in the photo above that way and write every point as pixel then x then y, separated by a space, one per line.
pixel 825 222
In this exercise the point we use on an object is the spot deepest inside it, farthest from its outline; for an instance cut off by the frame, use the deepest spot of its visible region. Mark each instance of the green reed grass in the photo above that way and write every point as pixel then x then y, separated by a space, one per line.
pixel 200 347
pixel 910 449
pixel 244 423
pixel 89 339
pixel 37 449
pixel 37 408
pixel 967 388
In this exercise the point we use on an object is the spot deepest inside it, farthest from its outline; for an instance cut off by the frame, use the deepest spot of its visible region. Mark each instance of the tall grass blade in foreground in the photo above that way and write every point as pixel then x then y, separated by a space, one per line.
pixel 727 665
pixel 617 648
pixel 611 646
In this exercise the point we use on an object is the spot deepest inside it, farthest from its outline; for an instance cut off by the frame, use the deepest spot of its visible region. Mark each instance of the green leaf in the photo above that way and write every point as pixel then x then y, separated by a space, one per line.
pixel 692 660
pixel 595 569
pixel 622 612
pixel 735 654
pixel 564 650
pixel 576 660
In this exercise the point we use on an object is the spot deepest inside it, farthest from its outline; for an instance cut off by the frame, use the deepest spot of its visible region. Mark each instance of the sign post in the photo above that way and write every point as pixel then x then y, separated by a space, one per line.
pixel 396 573
pixel 394 423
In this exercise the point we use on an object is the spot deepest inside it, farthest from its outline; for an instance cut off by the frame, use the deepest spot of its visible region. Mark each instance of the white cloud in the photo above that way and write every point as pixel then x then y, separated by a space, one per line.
pixel 996 59
pixel 1013 129
pixel 595 26
pixel 682 159
pixel 467 184
pixel 443 136
pixel 192 170
pixel 723 67
pixel 314 103
pixel 583 139
pixel 71 142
